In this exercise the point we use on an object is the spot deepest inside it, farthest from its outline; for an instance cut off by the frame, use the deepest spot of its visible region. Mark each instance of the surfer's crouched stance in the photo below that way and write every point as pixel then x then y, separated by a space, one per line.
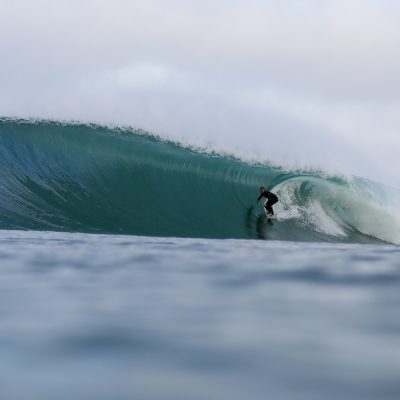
pixel 272 198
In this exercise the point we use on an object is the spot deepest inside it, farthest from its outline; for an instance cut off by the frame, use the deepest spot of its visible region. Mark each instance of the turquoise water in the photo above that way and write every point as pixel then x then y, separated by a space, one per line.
pixel 132 267
pixel 88 178
pixel 124 317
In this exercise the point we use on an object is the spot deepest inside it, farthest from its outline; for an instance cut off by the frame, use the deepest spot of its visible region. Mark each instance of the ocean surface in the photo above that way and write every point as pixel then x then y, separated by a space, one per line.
pixel 126 317
pixel 132 267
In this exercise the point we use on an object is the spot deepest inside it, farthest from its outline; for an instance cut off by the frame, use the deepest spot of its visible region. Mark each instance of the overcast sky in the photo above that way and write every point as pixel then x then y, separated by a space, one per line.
pixel 312 82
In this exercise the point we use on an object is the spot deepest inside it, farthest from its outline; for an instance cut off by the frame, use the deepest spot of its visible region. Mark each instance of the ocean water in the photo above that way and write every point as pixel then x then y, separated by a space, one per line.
pixel 132 267
pixel 87 178
pixel 127 317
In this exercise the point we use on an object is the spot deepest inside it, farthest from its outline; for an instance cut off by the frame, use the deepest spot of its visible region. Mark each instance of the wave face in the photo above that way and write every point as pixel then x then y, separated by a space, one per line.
pixel 88 178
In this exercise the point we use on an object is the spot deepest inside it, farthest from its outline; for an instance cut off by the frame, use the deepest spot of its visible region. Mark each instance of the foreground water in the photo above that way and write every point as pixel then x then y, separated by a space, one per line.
pixel 124 317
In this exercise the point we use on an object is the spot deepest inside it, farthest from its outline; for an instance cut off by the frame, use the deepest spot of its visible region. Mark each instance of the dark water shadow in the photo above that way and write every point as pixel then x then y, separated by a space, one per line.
pixel 257 224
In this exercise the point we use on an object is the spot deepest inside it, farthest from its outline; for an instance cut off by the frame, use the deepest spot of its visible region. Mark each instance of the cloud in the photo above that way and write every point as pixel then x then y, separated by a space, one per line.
pixel 301 81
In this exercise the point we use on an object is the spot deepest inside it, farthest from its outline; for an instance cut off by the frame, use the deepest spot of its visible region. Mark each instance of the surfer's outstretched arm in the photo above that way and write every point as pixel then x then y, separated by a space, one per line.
pixel 259 197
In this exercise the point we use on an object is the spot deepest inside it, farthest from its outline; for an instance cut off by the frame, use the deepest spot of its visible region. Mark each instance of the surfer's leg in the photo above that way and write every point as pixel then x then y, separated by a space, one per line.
pixel 269 208
pixel 269 205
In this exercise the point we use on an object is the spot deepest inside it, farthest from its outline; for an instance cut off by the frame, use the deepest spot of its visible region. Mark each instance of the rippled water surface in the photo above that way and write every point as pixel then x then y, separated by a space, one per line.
pixel 123 317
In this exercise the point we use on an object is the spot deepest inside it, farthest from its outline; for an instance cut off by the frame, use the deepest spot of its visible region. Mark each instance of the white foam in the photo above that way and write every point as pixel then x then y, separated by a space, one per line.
pixel 331 208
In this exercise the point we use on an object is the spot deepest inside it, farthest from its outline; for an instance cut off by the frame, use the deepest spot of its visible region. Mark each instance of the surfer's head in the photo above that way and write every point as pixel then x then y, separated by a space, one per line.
pixel 262 189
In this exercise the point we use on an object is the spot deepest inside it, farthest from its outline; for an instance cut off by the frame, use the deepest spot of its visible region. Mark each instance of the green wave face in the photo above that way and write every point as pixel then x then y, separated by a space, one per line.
pixel 88 178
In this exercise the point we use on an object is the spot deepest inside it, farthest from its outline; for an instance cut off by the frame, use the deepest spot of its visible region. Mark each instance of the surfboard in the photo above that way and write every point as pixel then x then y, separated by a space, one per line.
pixel 271 217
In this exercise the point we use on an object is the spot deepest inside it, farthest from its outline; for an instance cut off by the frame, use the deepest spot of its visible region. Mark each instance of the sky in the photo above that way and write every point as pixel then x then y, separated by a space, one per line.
pixel 300 83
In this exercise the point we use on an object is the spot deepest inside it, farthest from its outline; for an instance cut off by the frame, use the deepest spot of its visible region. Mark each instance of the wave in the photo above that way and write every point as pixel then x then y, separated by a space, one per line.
pixel 67 176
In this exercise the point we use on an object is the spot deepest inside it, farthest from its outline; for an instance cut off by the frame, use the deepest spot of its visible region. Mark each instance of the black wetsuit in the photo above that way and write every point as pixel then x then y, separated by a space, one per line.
pixel 272 199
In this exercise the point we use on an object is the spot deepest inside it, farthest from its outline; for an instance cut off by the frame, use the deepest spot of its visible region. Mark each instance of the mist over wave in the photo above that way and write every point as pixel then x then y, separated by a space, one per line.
pixel 89 178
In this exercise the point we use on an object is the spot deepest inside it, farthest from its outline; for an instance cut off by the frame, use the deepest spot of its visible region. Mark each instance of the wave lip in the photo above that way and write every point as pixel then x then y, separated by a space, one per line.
pixel 90 178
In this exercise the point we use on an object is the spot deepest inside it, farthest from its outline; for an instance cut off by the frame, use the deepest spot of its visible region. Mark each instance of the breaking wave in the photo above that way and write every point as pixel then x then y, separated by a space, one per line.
pixel 89 178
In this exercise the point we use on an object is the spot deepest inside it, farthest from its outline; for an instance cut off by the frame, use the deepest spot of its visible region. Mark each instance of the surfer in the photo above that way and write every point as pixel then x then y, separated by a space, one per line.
pixel 272 198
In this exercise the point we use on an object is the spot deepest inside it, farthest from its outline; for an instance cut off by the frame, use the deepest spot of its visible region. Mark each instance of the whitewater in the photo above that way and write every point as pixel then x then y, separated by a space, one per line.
pixel 135 267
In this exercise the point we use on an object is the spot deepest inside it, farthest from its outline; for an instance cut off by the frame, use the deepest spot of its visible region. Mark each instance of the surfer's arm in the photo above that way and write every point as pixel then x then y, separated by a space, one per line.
pixel 259 197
